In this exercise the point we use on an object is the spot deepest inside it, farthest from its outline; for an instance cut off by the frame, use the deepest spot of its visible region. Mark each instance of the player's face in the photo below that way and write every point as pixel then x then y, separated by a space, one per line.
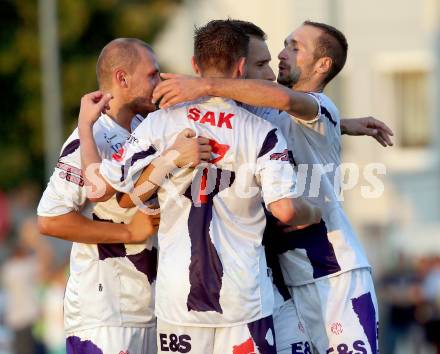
pixel 143 80
pixel 297 59
pixel 257 61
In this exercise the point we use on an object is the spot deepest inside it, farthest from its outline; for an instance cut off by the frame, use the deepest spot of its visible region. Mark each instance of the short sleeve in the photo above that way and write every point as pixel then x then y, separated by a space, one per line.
pixel 65 191
pixel 326 125
pixel 140 149
pixel 274 170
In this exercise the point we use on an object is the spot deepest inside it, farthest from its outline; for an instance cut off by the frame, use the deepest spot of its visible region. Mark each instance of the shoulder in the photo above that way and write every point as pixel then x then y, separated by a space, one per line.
pixel 326 104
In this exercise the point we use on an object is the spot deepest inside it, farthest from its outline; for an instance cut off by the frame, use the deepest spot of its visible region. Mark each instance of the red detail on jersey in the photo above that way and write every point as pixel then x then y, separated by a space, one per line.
pixel 122 352
pixel 244 348
pixel 209 117
pixel 283 156
pixel 118 155
pixel 69 168
pixel 194 114
pixel 225 119
pixel 218 149
pixel 336 328
pixel 203 197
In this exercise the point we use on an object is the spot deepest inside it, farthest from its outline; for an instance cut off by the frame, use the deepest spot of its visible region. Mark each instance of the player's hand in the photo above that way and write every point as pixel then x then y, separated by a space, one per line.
pixel 189 150
pixel 92 105
pixel 288 228
pixel 143 226
pixel 177 89
pixel 369 126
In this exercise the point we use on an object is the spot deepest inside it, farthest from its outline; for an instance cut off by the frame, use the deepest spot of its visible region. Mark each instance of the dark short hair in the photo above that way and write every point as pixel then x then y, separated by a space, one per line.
pixel 119 52
pixel 250 29
pixel 331 43
pixel 219 44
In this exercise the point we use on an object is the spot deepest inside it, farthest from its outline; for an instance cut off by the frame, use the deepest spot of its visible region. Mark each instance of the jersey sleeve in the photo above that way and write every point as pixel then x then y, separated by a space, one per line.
pixel 326 125
pixel 65 191
pixel 141 148
pixel 274 171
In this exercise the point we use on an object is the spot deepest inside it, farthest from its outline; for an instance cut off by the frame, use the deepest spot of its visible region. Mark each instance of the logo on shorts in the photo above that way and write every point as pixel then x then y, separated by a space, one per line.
pixel 336 328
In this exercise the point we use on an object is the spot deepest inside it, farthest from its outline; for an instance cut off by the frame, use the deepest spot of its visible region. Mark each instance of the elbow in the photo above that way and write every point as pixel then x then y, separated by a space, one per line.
pixel 44 225
pixel 100 197
pixel 124 200
pixel 284 211
pixel 286 102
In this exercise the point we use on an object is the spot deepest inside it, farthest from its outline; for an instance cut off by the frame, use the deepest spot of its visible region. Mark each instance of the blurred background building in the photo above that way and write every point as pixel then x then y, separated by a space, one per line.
pixel 392 73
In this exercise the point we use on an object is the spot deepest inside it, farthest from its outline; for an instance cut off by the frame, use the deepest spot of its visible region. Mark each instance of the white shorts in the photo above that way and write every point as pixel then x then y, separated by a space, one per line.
pixel 252 338
pixel 340 314
pixel 290 334
pixel 112 340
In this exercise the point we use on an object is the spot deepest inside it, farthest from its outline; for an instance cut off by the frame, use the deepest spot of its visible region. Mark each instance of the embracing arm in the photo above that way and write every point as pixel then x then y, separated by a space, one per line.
pixel 368 126
pixel 77 228
pixel 178 88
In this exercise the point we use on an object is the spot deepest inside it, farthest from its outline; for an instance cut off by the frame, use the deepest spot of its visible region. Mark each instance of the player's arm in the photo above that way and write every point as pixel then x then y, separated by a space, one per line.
pixel 295 211
pixel 177 88
pixel 92 105
pixel 277 179
pixel 369 126
pixel 77 228
pixel 187 151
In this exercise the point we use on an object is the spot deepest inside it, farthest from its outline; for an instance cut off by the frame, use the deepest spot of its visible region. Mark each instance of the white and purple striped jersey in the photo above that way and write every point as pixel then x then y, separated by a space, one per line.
pixel 109 284
pixel 330 247
pixel 212 270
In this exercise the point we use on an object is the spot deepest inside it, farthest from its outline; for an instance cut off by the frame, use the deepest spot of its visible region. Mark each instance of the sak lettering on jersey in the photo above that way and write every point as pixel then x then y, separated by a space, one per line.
pixel 210 118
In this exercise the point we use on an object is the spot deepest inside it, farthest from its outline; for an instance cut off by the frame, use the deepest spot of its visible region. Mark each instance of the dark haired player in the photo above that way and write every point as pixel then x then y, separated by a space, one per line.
pixel 324 265
pixel 213 292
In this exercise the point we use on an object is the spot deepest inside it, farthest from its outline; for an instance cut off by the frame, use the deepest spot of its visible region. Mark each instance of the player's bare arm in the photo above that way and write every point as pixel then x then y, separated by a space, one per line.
pixel 187 151
pixel 369 126
pixel 92 105
pixel 295 211
pixel 178 88
pixel 77 228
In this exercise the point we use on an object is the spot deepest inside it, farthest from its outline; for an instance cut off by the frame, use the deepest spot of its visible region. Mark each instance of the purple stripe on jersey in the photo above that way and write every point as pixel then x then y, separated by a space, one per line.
pixel 142 155
pixel 136 157
pixel 70 148
pixel 263 334
pixel 109 250
pixel 269 142
pixel 74 345
pixel 314 240
pixel 365 311
pixel 205 269
pixel 146 262
pixel 326 113
pixel 273 262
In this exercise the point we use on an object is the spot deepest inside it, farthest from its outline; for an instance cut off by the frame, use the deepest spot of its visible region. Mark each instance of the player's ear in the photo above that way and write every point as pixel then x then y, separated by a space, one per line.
pixel 240 71
pixel 121 78
pixel 323 65
pixel 195 67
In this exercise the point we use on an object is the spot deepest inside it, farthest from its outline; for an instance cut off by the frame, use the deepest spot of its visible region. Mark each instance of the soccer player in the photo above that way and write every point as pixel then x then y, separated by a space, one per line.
pixel 109 300
pixel 324 265
pixel 214 294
